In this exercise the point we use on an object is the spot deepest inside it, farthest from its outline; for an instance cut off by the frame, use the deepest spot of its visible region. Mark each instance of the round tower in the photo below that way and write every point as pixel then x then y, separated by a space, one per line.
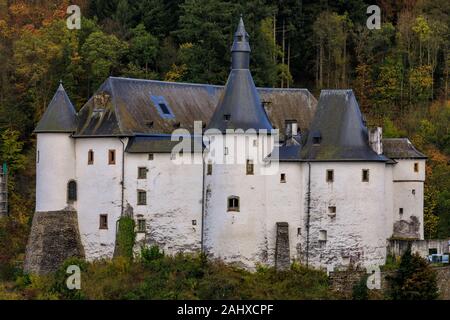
pixel 235 185
pixel 56 187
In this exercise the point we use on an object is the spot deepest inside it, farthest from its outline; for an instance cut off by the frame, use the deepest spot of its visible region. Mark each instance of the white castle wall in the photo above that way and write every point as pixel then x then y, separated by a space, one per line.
pixel 174 201
pixel 55 166
pixel 99 192
pixel 285 203
pixel 237 236
pixel 357 233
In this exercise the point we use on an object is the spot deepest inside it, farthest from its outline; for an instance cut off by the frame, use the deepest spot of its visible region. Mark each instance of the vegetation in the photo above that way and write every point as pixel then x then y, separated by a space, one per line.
pixel 156 276
pixel 125 237
pixel 400 73
pixel 414 279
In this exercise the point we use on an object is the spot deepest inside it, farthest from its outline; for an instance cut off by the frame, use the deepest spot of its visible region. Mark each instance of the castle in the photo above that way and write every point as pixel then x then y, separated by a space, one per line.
pixel 338 193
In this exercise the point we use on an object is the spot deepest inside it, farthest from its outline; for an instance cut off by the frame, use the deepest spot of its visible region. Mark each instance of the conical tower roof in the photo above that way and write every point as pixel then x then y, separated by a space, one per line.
pixel 240 106
pixel 60 115
pixel 338 131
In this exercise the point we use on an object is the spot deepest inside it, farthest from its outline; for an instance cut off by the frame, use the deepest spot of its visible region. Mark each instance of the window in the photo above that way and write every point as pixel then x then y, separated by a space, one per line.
pixel 164 108
pixel 283 178
pixel 225 151
pixel 250 167
pixel 112 157
pixel 330 175
pixel 332 211
pixel 400 210
pixel 149 124
pixel 317 138
pixel 209 169
pixel 90 157
pixel 194 222
pixel 103 221
pixel 150 156
pixel 142 173
pixel 141 198
pixel 176 125
pixel 290 127
pixel 416 167
pixel 413 191
pixel 365 175
pixel 323 235
pixel 233 203
pixel 71 191
pixel 226 117
pixel 299 231
pixel 141 225
pixel 255 143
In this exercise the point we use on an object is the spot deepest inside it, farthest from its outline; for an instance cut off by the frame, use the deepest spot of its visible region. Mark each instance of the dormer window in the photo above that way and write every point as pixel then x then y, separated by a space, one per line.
pixel 226 117
pixel 317 138
pixel 162 106
pixel 240 38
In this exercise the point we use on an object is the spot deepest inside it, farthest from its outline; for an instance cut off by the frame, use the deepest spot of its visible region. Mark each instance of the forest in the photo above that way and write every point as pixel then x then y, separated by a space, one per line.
pixel 400 72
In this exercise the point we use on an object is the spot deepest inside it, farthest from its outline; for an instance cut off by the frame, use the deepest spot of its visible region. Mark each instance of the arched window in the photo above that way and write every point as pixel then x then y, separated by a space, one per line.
pixel 233 203
pixel 72 191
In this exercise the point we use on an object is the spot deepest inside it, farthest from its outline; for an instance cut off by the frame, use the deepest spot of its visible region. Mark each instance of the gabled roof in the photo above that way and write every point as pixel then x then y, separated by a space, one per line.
pixel 401 148
pixel 60 115
pixel 338 131
pixel 124 106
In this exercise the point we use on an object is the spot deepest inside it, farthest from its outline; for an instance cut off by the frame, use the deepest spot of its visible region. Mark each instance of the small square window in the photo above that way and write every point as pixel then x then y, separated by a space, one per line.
pixel 250 167
pixel 330 175
pixel 141 198
pixel 90 157
pixel 150 156
pixel 416 167
pixel 209 169
pixel 142 173
pixel 233 203
pixel 226 117
pixel 103 221
pixel 323 235
pixel 400 210
pixel 365 175
pixel 141 225
pixel 194 222
pixel 283 178
pixel 332 211
pixel 413 191
pixel 111 156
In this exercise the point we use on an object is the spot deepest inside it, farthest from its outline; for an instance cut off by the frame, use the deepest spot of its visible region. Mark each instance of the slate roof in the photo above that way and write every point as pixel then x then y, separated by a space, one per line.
pixel 60 115
pixel 124 107
pixel 160 144
pixel 401 148
pixel 340 127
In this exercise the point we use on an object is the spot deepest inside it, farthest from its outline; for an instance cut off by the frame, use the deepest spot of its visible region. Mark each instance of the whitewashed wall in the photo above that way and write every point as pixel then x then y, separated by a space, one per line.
pixel 99 192
pixel 357 233
pixel 285 203
pixel 55 166
pixel 174 201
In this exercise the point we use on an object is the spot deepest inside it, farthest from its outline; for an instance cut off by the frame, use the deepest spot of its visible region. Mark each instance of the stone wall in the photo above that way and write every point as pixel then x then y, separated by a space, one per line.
pixel 422 247
pixel 54 238
pixel 343 282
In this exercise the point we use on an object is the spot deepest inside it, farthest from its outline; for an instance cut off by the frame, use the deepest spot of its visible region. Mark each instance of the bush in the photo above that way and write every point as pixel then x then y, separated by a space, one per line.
pixel 414 280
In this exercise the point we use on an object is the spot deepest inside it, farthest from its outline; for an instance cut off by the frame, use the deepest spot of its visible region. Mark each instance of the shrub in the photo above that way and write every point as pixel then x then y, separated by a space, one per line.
pixel 414 280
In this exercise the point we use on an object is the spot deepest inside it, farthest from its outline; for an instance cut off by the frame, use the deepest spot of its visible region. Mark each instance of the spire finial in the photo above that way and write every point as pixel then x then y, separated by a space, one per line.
pixel 240 51
pixel 60 87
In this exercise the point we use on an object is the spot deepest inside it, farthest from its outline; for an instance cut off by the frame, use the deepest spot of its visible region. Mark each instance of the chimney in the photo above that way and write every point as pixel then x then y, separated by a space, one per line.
pixel 375 136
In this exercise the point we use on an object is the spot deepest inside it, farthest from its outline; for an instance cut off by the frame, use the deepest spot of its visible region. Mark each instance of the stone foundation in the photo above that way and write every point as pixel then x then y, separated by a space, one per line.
pixel 54 238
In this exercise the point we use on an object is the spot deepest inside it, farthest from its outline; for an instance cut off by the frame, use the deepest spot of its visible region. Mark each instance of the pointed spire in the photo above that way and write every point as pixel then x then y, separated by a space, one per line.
pixel 240 106
pixel 240 51
pixel 60 115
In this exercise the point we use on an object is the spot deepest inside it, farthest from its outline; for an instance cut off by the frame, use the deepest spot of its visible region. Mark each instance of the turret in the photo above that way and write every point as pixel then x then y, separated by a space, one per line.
pixel 234 184
pixel 55 155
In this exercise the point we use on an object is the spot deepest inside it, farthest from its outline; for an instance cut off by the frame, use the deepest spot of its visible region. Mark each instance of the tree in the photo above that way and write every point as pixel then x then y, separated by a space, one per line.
pixel 143 48
pixel 414 280
pixel 102 54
